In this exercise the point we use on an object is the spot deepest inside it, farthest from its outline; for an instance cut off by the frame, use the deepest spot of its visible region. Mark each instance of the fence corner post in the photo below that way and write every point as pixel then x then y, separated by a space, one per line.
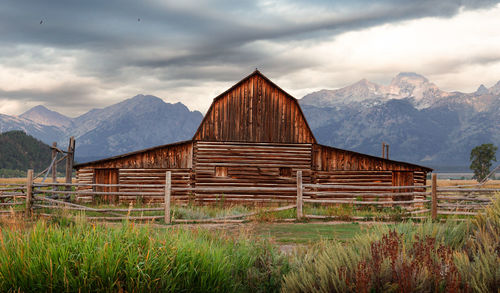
pixel 434 206
pixel 168 191
pixel 29 192
pixel 299 195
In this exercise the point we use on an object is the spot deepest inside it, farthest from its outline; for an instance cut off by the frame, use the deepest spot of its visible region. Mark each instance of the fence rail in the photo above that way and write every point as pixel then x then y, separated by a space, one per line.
pixel 418 202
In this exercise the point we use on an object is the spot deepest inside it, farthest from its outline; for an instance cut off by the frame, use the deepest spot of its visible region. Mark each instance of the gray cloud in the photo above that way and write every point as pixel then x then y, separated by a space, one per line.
pixel 180 42
pixel 63 98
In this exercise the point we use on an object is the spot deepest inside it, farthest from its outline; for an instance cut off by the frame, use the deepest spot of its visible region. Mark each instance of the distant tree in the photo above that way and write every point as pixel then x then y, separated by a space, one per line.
pixel 481 158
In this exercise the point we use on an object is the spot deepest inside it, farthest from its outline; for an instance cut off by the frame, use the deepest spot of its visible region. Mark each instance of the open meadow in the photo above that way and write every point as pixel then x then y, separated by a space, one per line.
pixel 68 252
pixel 67 246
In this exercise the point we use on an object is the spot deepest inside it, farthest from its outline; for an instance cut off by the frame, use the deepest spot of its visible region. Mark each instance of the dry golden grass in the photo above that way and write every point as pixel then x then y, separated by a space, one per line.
pixel 23 180
pixel 449 183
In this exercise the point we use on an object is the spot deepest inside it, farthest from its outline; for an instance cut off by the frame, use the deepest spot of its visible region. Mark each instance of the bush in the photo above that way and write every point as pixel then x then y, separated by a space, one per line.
pixel 427 257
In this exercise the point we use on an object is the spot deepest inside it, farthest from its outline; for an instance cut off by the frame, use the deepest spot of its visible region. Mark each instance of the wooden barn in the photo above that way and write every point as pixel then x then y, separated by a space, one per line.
pixel 253 135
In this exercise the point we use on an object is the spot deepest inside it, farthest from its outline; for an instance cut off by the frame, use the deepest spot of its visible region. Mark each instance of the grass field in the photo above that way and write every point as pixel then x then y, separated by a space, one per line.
pixel 74 255
pixel 67 253
pixel 309 233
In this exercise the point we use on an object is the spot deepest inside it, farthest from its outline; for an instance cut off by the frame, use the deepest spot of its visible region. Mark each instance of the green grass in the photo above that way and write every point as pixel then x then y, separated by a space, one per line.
pixel 302 233
pixel 84 257
pixel 345 212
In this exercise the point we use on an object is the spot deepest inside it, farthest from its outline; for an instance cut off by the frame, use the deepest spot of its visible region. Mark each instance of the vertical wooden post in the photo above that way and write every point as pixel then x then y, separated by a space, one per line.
pixel 69 161
pixel 387 151
pixel 299 195
pixel 168 193
pixel 434 197
pixel 54 166
pixel 383 150
pixel 29 192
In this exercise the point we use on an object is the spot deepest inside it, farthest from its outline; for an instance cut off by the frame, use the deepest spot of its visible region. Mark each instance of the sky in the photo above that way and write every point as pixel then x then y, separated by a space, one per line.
pixel 72 56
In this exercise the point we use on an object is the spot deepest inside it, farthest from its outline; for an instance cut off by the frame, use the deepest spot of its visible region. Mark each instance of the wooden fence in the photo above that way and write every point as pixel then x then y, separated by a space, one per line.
pixel 418 202
pixel 12 199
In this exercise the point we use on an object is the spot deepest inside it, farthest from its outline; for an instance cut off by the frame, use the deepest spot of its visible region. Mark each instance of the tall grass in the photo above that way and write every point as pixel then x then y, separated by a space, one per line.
pixel 84 257
pixel 427 257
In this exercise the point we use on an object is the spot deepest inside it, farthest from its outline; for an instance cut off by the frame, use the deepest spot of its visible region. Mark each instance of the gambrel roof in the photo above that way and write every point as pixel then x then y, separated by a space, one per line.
pixel 255 110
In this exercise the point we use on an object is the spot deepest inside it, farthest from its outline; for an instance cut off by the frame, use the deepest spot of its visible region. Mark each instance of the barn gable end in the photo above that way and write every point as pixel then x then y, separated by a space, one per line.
pixel 255 110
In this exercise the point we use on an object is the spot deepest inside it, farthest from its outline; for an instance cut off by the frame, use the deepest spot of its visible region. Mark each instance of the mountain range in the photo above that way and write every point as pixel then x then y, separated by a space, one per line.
pixel 422 123
pixel 136 123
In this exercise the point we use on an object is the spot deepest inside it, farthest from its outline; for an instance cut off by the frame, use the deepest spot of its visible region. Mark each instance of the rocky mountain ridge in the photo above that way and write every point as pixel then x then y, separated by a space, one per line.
pixel 139 122
pixel 423 123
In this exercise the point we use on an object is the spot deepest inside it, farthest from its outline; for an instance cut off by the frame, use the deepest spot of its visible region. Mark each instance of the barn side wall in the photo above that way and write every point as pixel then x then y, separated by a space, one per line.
pixel 335 166
pixel 147 167
pixel 238 165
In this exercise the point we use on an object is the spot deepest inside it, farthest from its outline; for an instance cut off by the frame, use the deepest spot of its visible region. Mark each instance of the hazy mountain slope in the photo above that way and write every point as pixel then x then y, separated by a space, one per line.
pixel 19 151
pixel 43 132
pixel 44 116
pixel 134 124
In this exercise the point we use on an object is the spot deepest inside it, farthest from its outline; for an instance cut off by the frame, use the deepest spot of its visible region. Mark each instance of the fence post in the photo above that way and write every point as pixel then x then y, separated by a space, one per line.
pixel 69 161
pixel 29 192
pixel 299 195
pixel 168 191
pixel 54 166
pixel 434 206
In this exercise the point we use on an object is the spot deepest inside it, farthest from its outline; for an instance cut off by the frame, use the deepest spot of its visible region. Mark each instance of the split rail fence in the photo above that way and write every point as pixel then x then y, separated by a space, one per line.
pixel 417 202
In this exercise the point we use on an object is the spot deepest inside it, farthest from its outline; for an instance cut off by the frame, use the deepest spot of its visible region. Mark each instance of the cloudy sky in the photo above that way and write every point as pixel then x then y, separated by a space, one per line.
pixel 72 56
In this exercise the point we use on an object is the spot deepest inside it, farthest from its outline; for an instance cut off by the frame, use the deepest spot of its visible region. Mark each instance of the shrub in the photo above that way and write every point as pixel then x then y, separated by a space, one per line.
pixel 449 257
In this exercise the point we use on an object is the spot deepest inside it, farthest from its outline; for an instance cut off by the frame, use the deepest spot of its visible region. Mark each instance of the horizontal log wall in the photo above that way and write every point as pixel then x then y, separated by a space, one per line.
pixel 331 159
pixel 335 166
pixel 180 179
pixel 250 165
pixel 353 178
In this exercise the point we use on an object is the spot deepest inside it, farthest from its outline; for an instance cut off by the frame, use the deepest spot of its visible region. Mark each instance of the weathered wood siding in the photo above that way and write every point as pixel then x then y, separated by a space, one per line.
pixel 332 159
pixel 107 176
pixel 169 156
pixel 180 179
pixel 351 177
pixel 145 167
pixel 336 166
pixel 250 165
pixel 403 178
pixel 255 110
